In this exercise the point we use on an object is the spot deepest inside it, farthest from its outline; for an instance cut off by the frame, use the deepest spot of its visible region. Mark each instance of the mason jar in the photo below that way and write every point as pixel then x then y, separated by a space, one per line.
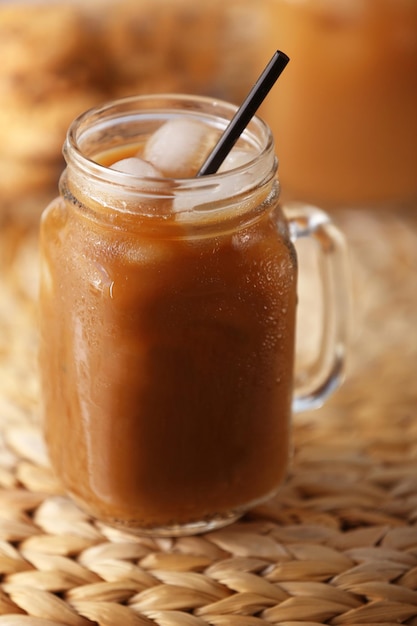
pixel 167 324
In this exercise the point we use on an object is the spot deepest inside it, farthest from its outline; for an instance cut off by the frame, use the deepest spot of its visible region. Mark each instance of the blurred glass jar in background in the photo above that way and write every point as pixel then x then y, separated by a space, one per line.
pixel 344 115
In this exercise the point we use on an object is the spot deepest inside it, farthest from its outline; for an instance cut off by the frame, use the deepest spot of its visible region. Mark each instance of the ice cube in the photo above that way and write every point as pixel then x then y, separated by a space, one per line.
pixel 179 147
pixel 202 201
pixel 150 182
pixel 236 158
pixel 137 167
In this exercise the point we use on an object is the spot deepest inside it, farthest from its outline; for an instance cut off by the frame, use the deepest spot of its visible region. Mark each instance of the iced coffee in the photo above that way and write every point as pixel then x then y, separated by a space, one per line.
pixel 167 319
pixel 167 316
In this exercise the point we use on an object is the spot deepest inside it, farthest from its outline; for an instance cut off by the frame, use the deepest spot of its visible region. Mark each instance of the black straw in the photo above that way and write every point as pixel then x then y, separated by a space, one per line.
pixel 245 113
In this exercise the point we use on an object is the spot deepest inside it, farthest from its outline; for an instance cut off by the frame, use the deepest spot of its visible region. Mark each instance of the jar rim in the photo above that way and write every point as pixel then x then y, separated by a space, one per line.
pixel 108 116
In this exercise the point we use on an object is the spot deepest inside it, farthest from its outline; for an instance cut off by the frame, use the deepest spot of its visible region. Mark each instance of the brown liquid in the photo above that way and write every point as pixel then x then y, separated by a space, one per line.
pixel 344 113
pixel 167 364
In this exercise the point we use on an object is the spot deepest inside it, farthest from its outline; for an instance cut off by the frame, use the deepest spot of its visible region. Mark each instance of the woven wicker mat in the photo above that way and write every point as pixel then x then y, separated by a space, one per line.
pixel 337 546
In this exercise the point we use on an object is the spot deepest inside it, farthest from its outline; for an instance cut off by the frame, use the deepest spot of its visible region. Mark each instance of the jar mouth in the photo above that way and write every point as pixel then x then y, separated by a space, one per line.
pixel 129 119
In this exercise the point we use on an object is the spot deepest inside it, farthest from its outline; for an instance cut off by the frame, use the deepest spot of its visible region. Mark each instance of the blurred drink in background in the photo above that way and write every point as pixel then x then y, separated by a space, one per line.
pixel 344 115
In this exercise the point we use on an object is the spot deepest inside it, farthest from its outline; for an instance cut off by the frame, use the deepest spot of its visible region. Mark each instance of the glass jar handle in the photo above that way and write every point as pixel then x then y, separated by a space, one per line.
pixel 315 383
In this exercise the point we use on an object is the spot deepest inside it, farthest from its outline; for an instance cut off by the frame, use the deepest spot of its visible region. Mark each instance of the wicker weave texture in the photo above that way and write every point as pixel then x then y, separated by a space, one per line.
pixel 337 546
